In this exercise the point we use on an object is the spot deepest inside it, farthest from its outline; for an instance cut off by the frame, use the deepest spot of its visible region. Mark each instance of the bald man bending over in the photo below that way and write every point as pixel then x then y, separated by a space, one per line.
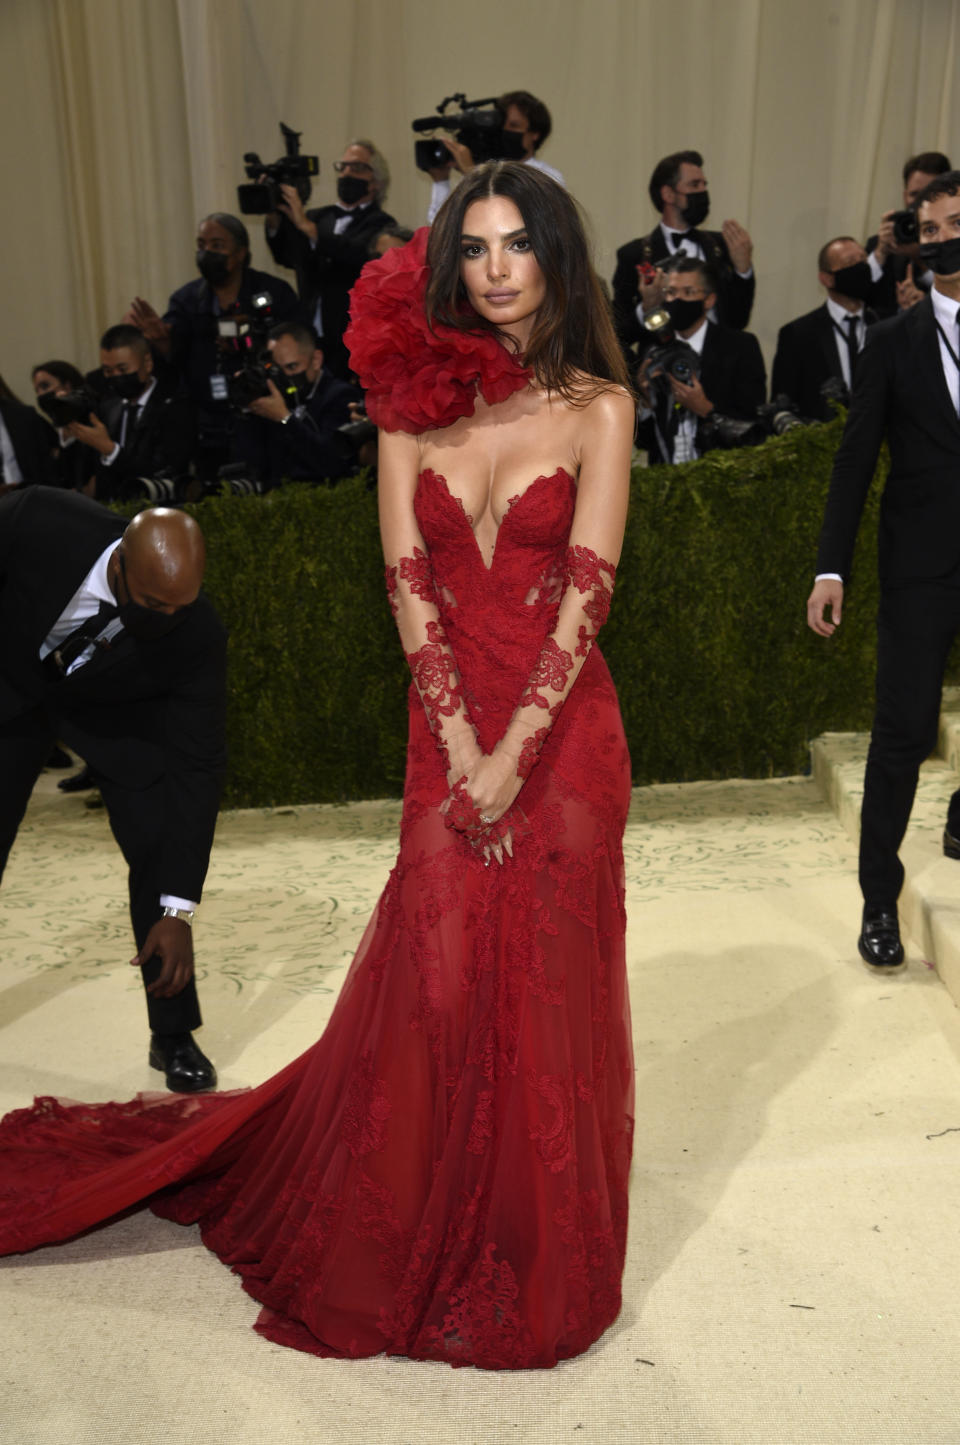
pixel 107 642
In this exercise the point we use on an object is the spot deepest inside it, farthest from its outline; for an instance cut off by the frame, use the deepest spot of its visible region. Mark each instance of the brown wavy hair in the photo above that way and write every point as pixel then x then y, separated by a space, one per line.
pixel 573 348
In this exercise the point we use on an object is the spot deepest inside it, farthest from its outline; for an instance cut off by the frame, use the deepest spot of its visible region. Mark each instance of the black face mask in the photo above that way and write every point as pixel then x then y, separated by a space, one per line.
pixel 302 384
pixel 683 314
pixel 352 189
pixel 697 208
pixel 942 257
pixel 854 281
pixel 127 386
pixel 213 266
pixel 144 623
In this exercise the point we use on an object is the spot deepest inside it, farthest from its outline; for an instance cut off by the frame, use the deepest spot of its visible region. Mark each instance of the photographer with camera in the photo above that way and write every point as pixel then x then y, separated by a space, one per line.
pixel 210 327
pixel 329 246
pixel 293 432
pixel 678 190
pixel 27 445
pixel 900 278
pixel 52 382
pixel 524 122
pixel 702 385
pixel 817 354
pixel 142 433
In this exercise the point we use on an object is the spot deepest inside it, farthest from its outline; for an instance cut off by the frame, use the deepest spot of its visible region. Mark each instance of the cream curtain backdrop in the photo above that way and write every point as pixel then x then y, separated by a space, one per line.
pixel 126 120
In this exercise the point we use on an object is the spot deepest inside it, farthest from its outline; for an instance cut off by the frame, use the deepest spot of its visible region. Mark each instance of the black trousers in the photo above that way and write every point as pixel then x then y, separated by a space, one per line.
pixel 916 625
pixel 136 818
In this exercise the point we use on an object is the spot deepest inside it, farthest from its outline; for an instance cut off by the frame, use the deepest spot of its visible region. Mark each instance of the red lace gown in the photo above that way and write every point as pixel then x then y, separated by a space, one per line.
pixel 443 1175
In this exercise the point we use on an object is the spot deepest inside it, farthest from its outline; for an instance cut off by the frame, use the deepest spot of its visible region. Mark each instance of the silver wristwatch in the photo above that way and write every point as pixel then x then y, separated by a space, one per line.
pixel 185 914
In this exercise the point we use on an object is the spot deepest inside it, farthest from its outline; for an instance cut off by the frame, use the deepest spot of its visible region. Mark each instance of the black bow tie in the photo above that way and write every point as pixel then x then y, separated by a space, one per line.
pixel 342 211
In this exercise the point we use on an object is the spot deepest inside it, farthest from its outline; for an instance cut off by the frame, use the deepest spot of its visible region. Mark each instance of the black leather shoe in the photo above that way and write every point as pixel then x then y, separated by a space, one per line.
pixel 951 843
pixel 879 941
pixel 59 758
pixel 81 782
pixel 188 1070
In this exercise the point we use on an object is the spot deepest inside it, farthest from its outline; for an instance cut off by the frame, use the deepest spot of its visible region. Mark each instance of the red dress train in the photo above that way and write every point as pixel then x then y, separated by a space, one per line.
pixel 443 1175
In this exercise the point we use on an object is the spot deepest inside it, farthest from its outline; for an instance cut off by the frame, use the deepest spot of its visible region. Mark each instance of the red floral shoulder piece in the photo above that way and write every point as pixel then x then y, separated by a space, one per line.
pixel 416 379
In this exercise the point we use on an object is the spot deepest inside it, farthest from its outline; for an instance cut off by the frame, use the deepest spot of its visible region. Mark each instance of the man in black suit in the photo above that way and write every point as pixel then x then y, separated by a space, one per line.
pixel 678 190
pixel 292 434
pixel 145 429
pixel 900 280
pixel 825 344
pixel 907 390
pixel 329 246
pixel 679 420
pixel 108 643
pixel 200 338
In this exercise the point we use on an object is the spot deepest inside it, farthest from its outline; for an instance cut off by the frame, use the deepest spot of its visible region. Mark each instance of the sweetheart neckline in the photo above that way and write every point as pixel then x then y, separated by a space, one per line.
pixel 512 504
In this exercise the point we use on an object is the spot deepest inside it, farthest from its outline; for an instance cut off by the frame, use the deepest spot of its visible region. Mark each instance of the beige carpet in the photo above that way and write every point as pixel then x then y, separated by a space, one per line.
pixel 794 1260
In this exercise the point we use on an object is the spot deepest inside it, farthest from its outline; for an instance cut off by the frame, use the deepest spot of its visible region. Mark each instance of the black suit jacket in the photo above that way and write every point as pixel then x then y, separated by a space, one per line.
pixel 161 441
pixel 327 271
pixel 806 357
pixel 733 377
pixel 141 712
pixel 308 447
pixel 734 294
pixel 34 443
pixel 900 395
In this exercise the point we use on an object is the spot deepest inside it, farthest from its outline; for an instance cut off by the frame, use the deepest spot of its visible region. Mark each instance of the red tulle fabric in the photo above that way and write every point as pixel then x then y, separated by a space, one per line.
pixel 416 379
pixel 443 1175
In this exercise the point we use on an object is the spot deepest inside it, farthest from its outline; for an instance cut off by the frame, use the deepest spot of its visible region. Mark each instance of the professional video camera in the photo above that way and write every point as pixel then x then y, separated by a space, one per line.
pixel 478 125
pixel 292 169
pixel 71 406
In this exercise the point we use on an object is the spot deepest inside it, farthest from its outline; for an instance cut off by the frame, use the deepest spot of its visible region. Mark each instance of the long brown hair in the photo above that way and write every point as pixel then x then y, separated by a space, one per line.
pixel 573 349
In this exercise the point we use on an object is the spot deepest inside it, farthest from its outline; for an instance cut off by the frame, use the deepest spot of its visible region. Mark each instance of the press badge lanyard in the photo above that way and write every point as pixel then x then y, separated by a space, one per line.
pixel 947 343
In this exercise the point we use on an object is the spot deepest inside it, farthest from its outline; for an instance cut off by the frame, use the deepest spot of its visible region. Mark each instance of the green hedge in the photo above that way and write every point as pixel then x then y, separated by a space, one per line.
pixel 717 672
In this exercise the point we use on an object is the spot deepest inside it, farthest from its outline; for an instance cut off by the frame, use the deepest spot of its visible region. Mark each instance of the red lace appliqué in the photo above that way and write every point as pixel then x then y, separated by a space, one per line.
pixel 435 674
pixel 553 666
pixel 584 570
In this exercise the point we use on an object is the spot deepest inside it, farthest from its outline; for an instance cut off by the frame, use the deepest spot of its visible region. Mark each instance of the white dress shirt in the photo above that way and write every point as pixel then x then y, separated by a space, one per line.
pixel 441 189
pixel 838 315
pixel 85 602
pixel 11 467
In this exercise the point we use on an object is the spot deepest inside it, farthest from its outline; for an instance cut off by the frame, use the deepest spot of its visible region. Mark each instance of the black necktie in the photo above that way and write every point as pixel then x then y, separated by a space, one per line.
pixel 131 411
pixel 852 348
pixel 60 659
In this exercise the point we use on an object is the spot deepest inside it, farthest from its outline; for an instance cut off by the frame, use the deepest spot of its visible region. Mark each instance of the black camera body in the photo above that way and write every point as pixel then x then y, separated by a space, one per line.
pixel 292 169
pixel 247 365
pixel 478 125
pixel 905 231
pixel 673 357
pixel 780 416
pixel 72 406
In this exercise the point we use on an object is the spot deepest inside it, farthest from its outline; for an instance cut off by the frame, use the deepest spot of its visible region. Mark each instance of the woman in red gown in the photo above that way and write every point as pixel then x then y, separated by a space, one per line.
pixel 444 1174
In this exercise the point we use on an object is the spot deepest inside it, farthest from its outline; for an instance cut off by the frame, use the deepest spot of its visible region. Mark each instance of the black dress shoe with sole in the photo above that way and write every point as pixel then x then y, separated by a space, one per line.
pixel 187 1068
pixel 879 941
pixel 951 843
pixel 82 782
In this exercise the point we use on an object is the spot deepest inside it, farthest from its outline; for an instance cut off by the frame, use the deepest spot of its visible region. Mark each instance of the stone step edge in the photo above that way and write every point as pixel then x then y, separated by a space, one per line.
pixel 930 901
